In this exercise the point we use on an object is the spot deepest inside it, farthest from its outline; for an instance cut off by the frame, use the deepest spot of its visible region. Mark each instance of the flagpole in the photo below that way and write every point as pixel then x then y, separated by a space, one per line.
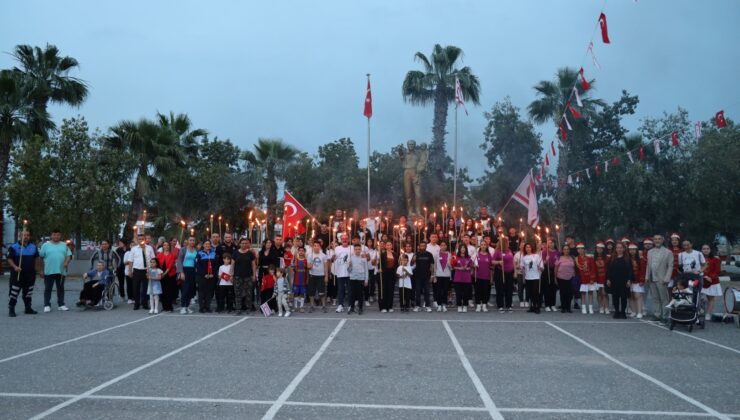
pixel 368 162
pixel 454 175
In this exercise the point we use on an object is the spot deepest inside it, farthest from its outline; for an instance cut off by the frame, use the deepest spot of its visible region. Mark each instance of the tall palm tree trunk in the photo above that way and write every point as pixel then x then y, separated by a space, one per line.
pixel 560 195
pixel 437 148
pixel 137 205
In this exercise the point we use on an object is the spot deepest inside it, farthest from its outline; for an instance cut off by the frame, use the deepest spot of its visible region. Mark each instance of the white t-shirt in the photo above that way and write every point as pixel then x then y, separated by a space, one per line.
pixel 693 257
pixel 440 271
pixel 433 249
pixel 341 260
pixel 404 276
pixel 373 254
pixel 531 266
pixel 126 259
pixel 317 261
pixel 224 275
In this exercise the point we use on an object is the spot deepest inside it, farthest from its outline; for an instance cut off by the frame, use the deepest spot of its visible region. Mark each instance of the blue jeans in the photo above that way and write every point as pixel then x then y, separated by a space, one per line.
pixel 342 290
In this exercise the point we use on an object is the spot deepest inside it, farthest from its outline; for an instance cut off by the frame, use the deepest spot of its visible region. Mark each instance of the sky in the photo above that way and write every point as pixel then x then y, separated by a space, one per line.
pixel 296 69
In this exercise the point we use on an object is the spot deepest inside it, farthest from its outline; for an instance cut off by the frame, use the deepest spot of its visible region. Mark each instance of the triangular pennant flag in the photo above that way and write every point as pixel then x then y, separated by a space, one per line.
pixel 656 143
pixel 552 146
pixel 593 56
pixel 570 180
pixel 615 161
pixel 674 138
pixel 567 123
pixel 547 160
pixel 629 155
pixel 588 174
pixel 719 119
pixel 604 31
pixel 697 129
pixel 573 111
pixel 642 153
pixel 597 171
pixel 606 166
pixel 578 177
pixel 578 97
pixel 563 135
pixel 584 82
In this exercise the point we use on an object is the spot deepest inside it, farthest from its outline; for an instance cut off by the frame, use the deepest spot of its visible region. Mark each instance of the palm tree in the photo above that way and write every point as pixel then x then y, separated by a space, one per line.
pixel 181 127
pixel 47 74
pixel 551 102
pixel 154 149
pixel 271 157
pixel 436 85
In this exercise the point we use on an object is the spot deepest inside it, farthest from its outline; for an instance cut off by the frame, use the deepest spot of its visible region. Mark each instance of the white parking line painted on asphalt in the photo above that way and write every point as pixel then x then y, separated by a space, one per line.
pixel 302 374
pixel 704 340
pixel 119 378
pixel 643 375
pixel 487 401
pixel 367 406
pixel 71 340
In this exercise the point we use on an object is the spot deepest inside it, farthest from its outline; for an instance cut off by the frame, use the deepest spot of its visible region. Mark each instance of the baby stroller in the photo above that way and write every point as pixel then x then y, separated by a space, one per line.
pixel 688 314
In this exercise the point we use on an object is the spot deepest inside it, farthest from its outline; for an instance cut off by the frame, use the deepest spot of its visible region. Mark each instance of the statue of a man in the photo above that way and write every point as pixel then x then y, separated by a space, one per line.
pixel 413 162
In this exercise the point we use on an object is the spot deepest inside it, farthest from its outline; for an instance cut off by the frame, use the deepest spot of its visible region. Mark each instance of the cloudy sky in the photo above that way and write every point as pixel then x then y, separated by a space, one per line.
pixel 296 69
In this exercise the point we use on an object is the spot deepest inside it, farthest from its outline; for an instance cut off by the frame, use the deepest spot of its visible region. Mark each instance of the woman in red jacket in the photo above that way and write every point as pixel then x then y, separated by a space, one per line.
pixel 167 261
pixel 638 280
pixel 601 261
pixel 711 288
pixel 587 272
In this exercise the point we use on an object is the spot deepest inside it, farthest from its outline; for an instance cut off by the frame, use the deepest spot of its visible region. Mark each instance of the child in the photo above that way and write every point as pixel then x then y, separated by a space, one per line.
pixel 358 273
pixel 586 269
pixel 267 288
pixel 404 273
pixel 300 279
pixel 638 281
pixel 154 274
pixel 681 295
pixel 281 292
pixel 225 291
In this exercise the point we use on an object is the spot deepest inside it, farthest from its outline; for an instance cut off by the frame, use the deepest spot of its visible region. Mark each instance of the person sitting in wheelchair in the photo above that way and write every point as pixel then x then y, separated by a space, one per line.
pixel 95 282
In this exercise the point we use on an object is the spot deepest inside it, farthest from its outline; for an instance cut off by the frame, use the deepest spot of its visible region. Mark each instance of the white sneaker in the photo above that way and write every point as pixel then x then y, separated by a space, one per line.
pixel 591 309
pixel 639 316
pixel 434 305
pixel 583 309
pixel 439 308
pixel 190 311
pixel 62 308
pixel 416 309
pixel 601 310
pixel 552 308
pixel 606 311
pixel 47 308
pixel 383 311
pixel 156 311
pixel 708 317
pixel 633 315
pixel 477 308
pixel 280 314
pixel 465 309
pixel 547 309
pixel 287 314
pixel 459 308
pixel 470 304
pixel 130 302
pixel 390 310
pixel 183 311
pixel 339 309
pixel 367 303
pixel 485 308
pixel 444 308
pixel 521 304
pixel 526 304
pixel 429 309
pixel 151 311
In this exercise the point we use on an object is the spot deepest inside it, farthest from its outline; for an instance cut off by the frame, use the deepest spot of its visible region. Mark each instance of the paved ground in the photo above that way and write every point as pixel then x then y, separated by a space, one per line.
pixel 126 364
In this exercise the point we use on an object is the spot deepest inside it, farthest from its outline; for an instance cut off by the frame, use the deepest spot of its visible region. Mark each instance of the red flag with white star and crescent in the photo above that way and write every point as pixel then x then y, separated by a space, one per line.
pixel 368 101
pixel 294 212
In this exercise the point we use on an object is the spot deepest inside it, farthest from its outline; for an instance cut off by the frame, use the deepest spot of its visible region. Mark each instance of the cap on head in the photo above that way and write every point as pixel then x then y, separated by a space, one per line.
pixel 580 245
pixel 609 240
pixel 648 241
pixel 675 235
pixel 633 246
pixel 600 244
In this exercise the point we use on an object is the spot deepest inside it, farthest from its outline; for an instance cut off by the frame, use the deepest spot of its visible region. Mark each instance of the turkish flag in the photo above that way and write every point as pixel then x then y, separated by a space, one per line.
pixel 719 119
pixel 604 30
pixel 368 101
pixel 674 138
pixel 293 213
pixel 584 82
pixel 552 146
pixel 573 111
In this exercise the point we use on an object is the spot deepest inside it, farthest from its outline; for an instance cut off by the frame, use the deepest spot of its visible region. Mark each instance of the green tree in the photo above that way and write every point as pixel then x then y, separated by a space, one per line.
pixel 551 102
pixel 511 146
pixel 28 189
pixel 47 75
pixel 270 159
pixel 343 181
pixel 436 85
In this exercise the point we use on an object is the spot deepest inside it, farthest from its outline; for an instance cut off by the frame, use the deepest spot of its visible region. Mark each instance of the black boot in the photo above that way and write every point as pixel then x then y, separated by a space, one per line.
pixel 29 311
pixel 11 311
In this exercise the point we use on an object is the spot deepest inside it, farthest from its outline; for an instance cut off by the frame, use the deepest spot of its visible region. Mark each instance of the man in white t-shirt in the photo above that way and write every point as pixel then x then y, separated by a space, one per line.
pixel 318 275
pixel 341 258
pixel 691 261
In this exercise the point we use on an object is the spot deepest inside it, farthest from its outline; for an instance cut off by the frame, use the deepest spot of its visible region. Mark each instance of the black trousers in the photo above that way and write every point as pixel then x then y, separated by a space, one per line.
pixel 462 293
pixel 549 286
pixel 129 285
pixel 91 293
pixel 224 298
pixel 620 293
pixel 139 282
pixel 21 286
pixel 388 287
pixel 169 292
pixel 422 291
pixel 566 293
pixel 440 291
pixel 404 296
pixel 356 293
pixel 205 292
pixel 49 282
pixel 482 291
pixel 372 281
pixel 504 288
pixel 533 291
pixel 121 282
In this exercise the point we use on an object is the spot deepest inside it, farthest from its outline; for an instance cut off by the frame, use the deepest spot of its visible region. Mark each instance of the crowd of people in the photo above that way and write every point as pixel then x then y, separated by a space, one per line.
pixel 349 265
